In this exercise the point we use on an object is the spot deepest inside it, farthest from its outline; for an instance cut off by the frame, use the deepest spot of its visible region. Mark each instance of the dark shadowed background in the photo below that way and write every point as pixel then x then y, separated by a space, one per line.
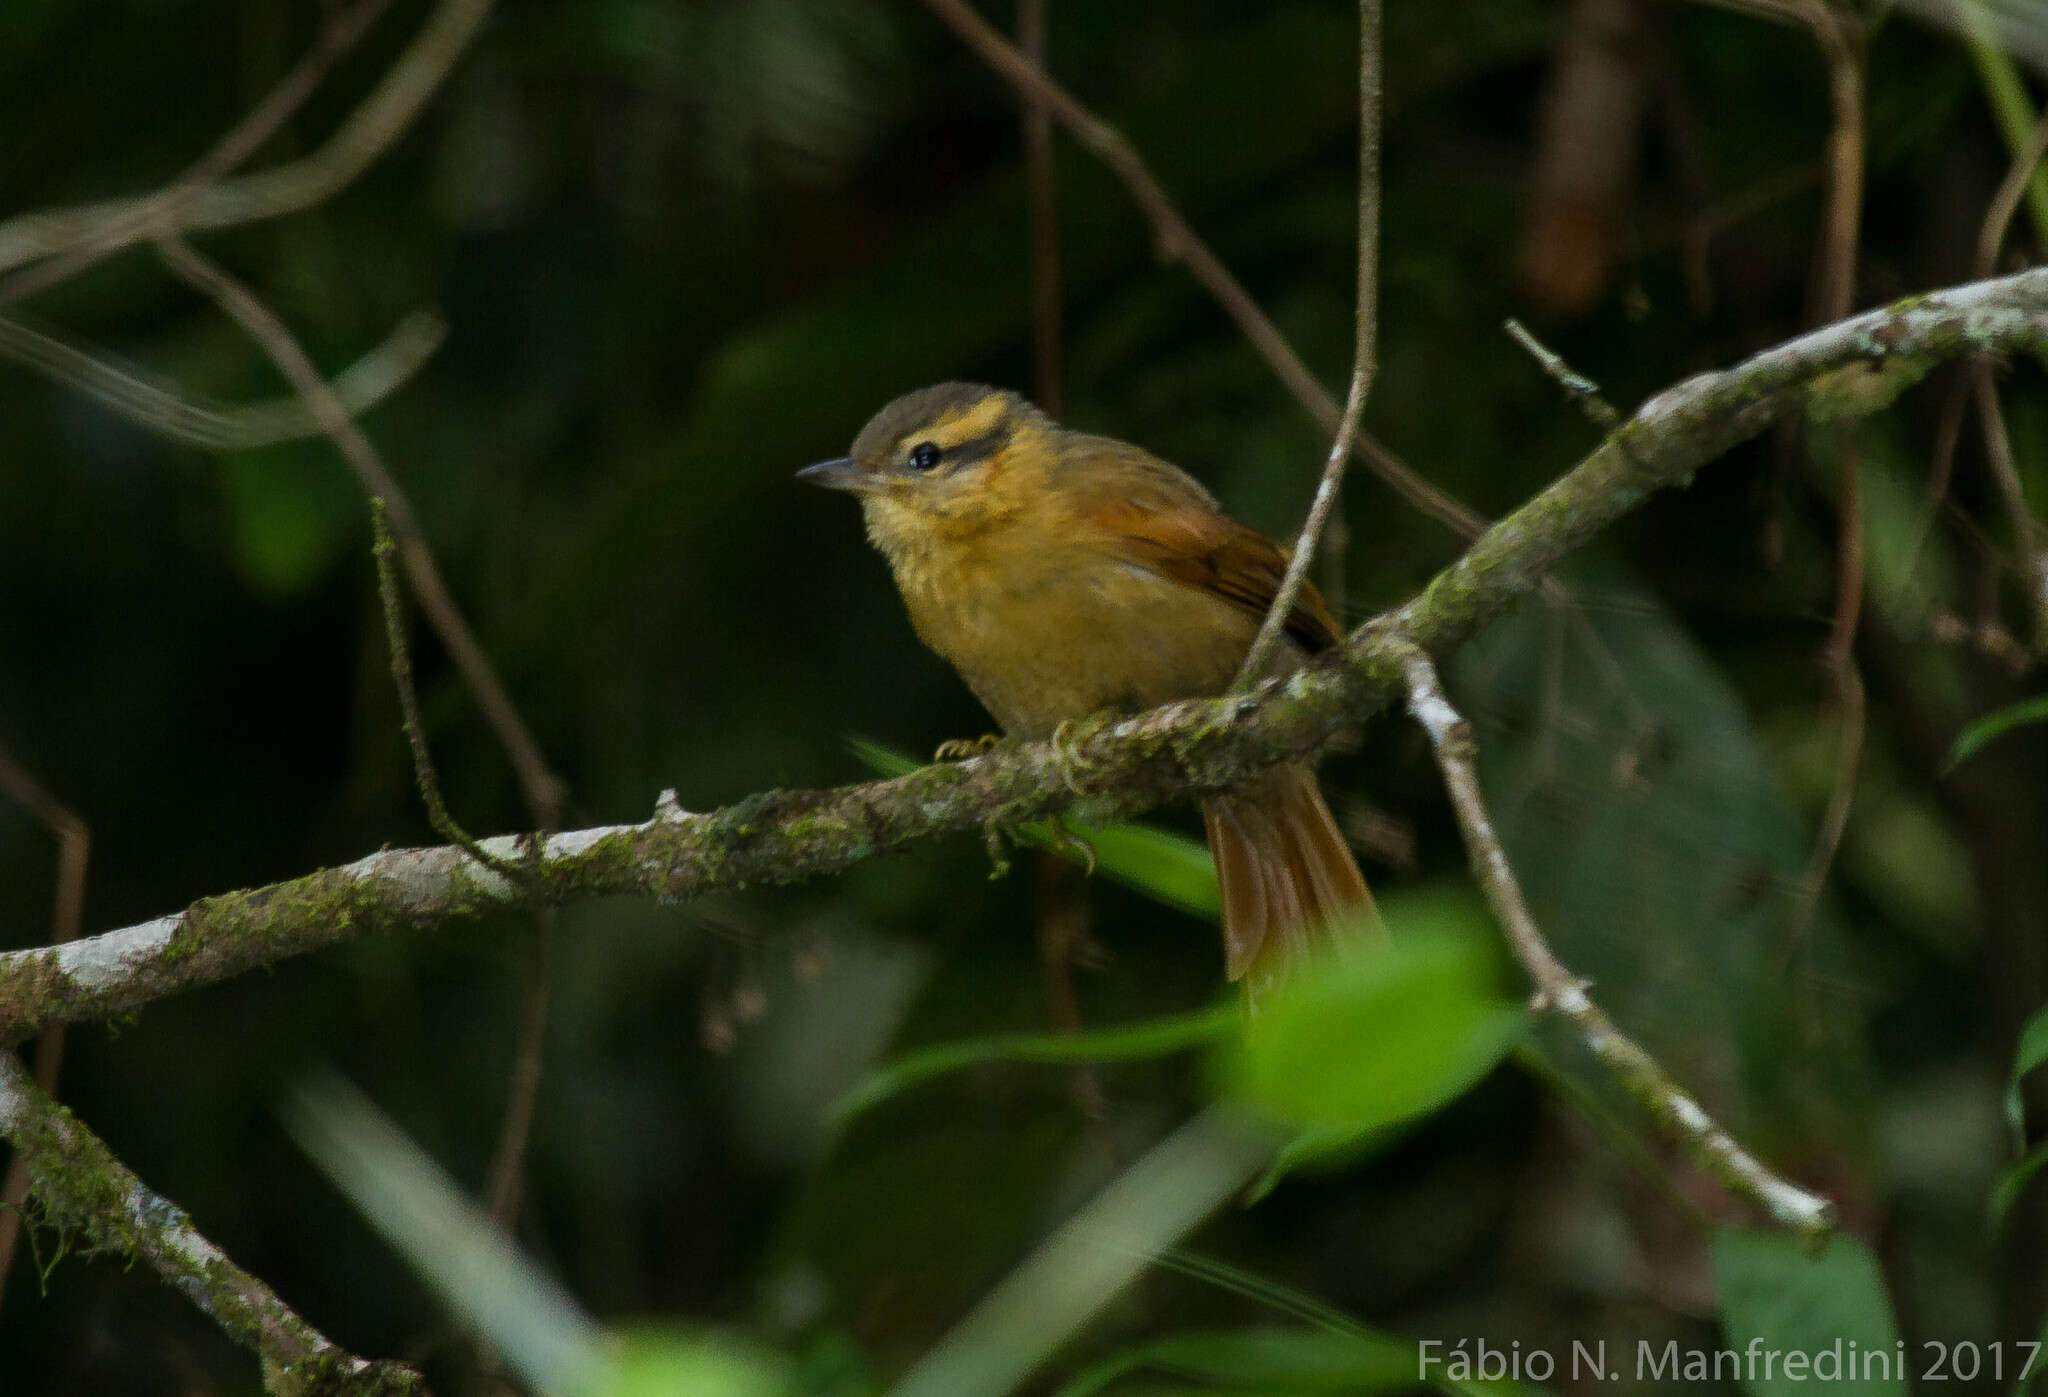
pixel 684 247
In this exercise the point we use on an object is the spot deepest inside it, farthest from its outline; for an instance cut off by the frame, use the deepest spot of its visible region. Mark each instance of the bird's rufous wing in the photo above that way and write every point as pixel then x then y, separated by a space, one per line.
pixel 1211 551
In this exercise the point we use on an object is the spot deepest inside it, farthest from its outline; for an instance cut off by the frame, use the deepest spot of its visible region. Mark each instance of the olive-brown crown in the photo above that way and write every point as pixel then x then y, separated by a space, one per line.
pixel 948 425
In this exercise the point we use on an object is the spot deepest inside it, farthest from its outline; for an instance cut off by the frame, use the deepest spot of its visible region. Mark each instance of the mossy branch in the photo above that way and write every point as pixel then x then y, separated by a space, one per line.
pixel 1121 768
pixel 93 1199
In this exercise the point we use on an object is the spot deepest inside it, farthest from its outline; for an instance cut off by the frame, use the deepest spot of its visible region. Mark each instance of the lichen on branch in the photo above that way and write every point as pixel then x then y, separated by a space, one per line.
pixel 1118 768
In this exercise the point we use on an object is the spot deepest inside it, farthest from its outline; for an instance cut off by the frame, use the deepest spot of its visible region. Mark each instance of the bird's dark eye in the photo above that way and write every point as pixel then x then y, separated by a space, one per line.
pixel 924 456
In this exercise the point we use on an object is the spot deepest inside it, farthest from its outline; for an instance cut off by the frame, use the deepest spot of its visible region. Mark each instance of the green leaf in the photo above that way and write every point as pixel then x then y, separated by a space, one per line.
pixel 1992 725
pixel 1379 1038
pixel 1172 1033
pixel 2031 1052
pixel 1820 1313
pixel 1326 1145
pixel 1265 1361
pixel 2012 1179
pixel 1164 866
pixel 670 1363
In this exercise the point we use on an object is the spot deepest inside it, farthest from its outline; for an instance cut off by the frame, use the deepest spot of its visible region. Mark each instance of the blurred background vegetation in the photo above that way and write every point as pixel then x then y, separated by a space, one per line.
pixel 683 247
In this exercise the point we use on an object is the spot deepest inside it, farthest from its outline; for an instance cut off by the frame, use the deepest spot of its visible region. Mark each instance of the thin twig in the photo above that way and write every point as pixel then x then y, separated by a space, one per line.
pixel 1976 377
pixel 74 854
pixel 83 1188
pixel 1190 748
pixel 1044 220
pixel 543 789
pixel 368 132
pixel 1839 36
pixel 409 704
pixel 1834 820
pixel 1560 992
pixel 1177 242
pixel 1364 356
pixel 215 425
pixel 159 212
pixel 504 1184
pixel 2026 529
pixel 1580 389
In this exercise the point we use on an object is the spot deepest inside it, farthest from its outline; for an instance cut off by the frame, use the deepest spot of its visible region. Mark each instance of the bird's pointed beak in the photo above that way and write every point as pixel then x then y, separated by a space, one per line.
pixel 840 473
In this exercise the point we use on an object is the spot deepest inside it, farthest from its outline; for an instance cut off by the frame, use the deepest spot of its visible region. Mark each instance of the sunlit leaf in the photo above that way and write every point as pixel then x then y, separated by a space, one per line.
pixel 1822 1314
pixel 668 1363
pixel 1380 1037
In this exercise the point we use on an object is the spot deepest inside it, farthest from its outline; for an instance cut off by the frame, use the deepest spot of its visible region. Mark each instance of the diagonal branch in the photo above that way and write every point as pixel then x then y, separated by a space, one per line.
pixel 1560 992
pixel 369 130
pixel 1180 750
pixel 1364 355
pixel 214 425
pixel 542 787
pixel 84 1190
pixel 1177 243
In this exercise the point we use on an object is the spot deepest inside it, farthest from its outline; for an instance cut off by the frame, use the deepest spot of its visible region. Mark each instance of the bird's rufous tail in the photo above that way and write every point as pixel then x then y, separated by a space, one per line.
pixel 1291 888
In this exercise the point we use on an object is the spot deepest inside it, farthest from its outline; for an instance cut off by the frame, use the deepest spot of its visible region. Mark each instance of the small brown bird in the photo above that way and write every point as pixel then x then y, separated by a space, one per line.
pixel 1063 573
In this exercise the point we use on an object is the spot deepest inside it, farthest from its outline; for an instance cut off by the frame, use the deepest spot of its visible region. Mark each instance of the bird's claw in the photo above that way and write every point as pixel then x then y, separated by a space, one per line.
pixel 1066 743
pixel 1065 841
pixel 959 749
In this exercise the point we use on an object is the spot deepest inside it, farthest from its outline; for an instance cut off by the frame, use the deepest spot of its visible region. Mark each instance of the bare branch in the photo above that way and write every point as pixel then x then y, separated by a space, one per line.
pixel 1177 243
pixel 1560 992
pixel 369 130
pixel 83 1189
pixel 67 913
pixel 1364 355
pixel 219 426
pixel 542 787
pixel 2026 529
pixel 159 211
pixel 1182 749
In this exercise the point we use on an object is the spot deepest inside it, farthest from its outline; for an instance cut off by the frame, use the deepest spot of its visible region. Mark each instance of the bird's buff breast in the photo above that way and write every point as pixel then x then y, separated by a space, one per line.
pixel 1044 635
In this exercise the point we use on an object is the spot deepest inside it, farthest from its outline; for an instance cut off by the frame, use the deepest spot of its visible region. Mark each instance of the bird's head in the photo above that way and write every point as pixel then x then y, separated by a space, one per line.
pixel 953 457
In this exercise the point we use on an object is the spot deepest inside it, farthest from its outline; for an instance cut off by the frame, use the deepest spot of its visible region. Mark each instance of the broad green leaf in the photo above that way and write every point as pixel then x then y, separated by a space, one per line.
pixel 1657 848
pixel 1158 1037
pixel 1265 1361
pixel 1994 725
pixel 1324 1145
pixel 2012 1179
pixel 667 1363
pixel 2031 1052
pixel 1821 1313
pixel 1378 1038
pixel 1164 866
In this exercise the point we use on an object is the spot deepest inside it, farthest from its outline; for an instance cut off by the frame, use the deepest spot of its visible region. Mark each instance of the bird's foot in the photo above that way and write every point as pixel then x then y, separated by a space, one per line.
pixel 1064 841
pixel 994 838
pixel 959 749
pixel 1066 742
